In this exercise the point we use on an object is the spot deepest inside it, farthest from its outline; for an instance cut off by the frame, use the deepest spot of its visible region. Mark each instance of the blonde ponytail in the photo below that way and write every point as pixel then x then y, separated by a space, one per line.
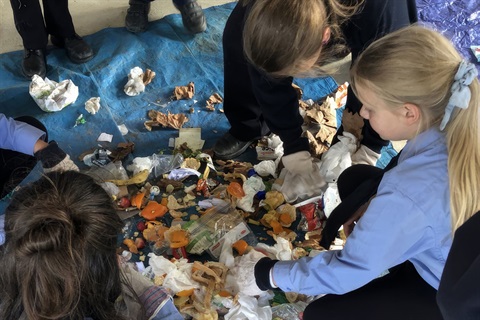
pixel 418 66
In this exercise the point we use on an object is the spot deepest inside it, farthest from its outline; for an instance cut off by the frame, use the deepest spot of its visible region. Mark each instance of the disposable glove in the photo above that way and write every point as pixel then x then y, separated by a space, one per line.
pixel 365 155
pixel 244 272
pixel 301 177
pixel 55 159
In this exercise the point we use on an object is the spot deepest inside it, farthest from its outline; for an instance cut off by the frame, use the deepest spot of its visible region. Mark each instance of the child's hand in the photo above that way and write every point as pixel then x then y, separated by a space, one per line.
pixel 350 224
pixel 301 176
pixel 244 271
pixel 55 159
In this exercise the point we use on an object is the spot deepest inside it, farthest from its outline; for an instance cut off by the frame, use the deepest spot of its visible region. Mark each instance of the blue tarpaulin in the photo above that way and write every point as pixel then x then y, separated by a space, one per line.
pixel 177 57
pixel 167 48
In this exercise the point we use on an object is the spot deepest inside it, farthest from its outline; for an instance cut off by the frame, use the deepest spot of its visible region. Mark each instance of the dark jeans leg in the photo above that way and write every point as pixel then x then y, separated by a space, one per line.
pixel 15 166
pixel 28 18
pixel 58 19
pixel 402 294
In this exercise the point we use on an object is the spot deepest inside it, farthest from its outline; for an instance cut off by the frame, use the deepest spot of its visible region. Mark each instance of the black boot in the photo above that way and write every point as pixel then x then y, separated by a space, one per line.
pixel 192 16
pixel 136 19
pixel 78 51
pixel 34 62
pixel 228 147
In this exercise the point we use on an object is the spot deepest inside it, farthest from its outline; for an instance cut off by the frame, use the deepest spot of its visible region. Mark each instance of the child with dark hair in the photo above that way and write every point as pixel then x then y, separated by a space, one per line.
pixel 414 86
pixel 59 259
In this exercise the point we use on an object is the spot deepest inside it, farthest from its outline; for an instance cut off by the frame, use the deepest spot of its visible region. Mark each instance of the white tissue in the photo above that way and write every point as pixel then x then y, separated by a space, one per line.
pixel 92 105
pixel 134 85
pixel 51 96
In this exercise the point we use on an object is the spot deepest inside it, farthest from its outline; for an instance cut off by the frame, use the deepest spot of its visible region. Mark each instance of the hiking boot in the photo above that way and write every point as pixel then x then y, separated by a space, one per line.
pixel 136 19
pixel 192 15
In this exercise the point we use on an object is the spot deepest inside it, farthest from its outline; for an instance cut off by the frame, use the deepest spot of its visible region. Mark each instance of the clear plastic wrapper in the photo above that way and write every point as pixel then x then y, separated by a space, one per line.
pixel 207 232
pixel 165 163
pixel 288 311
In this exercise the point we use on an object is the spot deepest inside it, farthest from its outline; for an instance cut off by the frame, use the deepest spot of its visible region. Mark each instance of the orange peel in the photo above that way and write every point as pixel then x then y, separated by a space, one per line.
pixel 131 245
pixel 153 210
pixel 240 246
pixel 137 200
pixel 178 239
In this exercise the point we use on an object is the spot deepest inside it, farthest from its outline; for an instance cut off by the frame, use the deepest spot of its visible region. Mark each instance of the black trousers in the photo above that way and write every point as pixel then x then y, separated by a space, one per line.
pixel 32 27
pixel 15 166
pixel 402 294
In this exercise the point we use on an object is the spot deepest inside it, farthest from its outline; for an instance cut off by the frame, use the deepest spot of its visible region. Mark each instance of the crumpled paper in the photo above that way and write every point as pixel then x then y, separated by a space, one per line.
pixel 52 96
pixel 282 250
pixel 251 186
pixel 266 168
pixel 178 273
pixel 250 308
pixel 92 105
pixel 134 85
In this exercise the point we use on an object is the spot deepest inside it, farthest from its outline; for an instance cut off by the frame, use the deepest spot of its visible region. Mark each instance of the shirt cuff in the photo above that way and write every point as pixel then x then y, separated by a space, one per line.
pixel 262 273
pixel 272 283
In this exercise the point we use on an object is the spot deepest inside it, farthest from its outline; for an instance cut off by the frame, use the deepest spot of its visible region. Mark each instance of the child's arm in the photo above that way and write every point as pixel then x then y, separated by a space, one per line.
pixel 19 136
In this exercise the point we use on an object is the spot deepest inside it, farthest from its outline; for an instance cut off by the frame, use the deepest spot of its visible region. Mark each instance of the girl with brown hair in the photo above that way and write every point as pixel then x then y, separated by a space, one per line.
pixel 59 259
pixel 268 42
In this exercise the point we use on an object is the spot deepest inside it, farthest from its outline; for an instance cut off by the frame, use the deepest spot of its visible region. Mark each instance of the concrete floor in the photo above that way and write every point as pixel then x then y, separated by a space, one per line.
pixel 89 16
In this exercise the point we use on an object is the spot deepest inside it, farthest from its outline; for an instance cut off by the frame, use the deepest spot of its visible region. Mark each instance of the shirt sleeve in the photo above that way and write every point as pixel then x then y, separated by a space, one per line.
pixel 18 136
pixel 279 103
pixel 158 304
pixel 392 229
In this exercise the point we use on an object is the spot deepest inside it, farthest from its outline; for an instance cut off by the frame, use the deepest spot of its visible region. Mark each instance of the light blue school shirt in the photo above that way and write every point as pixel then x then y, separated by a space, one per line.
pixel 18 136
pixel 409 219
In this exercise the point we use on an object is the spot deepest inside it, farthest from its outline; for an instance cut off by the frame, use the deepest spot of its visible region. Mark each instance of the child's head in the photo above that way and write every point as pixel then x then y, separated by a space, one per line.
pixel 289 38
pixel 419 76
pixel 59 258
pixel 413 65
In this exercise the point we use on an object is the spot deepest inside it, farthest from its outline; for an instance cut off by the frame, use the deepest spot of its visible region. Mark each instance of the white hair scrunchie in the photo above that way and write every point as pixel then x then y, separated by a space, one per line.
pixel 461 93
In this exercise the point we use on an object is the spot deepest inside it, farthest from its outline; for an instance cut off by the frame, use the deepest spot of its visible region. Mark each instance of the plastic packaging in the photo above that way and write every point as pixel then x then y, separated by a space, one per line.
pixel 165 163
pixel 311 216
pixel 288 311
pixel 208 233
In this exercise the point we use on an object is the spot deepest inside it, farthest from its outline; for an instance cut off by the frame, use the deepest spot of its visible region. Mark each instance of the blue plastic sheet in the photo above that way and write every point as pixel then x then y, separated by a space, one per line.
pixel 167 48
pixel 176 56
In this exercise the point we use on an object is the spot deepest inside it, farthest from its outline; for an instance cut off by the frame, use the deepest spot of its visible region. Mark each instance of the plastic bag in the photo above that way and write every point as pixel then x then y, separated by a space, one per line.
pixel 208 232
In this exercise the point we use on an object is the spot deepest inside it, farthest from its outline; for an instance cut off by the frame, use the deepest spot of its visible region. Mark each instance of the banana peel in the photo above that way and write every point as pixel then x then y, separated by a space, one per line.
pixel 140 177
